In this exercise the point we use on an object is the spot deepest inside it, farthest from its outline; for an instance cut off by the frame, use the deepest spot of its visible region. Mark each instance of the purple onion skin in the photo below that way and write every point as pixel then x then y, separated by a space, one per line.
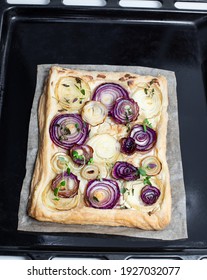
pixel 122 115
pixel 150 194
pixel 128 146
pixel 107 184
pixel 65 193
pixel 86 156
pixel 125 171
pixel 61 135
pixel 114 89
pixel 145 140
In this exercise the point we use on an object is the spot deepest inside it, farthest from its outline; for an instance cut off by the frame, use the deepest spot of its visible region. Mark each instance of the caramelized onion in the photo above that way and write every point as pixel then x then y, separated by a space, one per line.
pixel 102 194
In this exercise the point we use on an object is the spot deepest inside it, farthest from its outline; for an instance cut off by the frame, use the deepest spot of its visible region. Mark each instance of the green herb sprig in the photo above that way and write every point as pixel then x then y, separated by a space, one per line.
pixel 91 161
pixel 147 180
pixel 77 156
pixel 77 127
pixel 146 124
pixel 142 171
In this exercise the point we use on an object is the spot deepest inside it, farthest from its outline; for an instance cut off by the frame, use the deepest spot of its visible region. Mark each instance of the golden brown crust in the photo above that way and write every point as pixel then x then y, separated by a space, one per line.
pixel 43 173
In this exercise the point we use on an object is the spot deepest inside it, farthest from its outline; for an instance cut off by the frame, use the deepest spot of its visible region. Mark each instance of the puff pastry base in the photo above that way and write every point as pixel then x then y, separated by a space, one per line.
pixel 43 174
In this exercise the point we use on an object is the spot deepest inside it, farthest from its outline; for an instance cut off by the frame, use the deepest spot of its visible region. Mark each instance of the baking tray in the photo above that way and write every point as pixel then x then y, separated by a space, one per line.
pixel 161 38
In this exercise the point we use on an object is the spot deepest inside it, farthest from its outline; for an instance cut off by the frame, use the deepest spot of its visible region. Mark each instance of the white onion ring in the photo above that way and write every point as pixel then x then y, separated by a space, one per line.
pixel 150 105
pixel 90 172
pixel 61 204
pixel 61 161
pixel 132 195
pixel 72 93
pixel 151 165
pixel 106 148
pixel 94 113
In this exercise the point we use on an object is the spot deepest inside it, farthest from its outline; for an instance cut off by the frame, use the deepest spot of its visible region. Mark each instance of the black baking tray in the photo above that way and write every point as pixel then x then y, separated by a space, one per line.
pixel 161 38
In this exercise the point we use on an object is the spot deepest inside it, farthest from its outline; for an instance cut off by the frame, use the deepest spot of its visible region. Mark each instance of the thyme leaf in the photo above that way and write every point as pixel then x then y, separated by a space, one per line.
pixel 62 184
pixel 145 124
pixel 147 180
pixel 76 155
pixel 142 171
pixel 123 190
pixel 91 160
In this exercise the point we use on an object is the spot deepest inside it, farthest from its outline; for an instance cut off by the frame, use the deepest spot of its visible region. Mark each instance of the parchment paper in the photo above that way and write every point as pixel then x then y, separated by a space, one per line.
pixel 177 228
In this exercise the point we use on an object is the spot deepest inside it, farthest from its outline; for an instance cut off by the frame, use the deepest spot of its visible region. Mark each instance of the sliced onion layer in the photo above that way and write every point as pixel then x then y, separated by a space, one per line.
pixel 102 194
pixel 125 171
pixel 125 111
pixel 90 172
pixel 151 165
pixel 94 171
pixel 150 194
pixel 81 154
pixel 61 162
pixel 128 145
pixel 133 191
pixel 149 99
pixel 108 93
pixel 106 148
pixel 65 185
pixel 145 140
pixel 94 113
pixel 72 93
pixel 66 130
pixel 59 203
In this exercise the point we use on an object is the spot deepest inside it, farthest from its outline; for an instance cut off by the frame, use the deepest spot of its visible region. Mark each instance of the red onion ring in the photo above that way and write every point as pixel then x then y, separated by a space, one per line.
pixel 150 194
pixel 83 157
pixel 62 136
pixel 113 91
pixel 128 145
pixel 125 111
pixel 66 190
pixel 125 171
pixel 102 194
pixel 145 140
